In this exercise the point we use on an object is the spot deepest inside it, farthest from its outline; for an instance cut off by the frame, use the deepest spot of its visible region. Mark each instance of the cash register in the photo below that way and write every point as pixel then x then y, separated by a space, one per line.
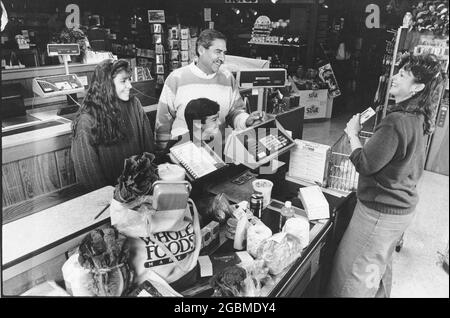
pixel 258 145
pixel 65 84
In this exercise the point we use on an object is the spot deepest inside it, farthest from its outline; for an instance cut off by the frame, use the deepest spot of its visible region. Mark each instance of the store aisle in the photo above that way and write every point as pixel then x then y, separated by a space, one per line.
pixel 417 267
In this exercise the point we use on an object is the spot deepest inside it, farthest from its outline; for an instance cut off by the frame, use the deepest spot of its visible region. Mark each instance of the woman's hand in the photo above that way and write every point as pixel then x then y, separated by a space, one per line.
pixel 353 126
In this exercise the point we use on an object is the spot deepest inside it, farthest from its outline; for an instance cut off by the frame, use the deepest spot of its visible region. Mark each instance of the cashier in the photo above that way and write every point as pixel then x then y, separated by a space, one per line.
pixel 110 126
pixel 202 78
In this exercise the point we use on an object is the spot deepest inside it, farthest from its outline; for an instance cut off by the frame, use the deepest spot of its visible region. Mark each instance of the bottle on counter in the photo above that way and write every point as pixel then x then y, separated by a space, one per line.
pixel 286 212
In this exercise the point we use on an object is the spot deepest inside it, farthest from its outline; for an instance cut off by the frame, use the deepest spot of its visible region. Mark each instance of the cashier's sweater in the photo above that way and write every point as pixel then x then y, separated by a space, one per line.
pixel 100 165
pixel 391 163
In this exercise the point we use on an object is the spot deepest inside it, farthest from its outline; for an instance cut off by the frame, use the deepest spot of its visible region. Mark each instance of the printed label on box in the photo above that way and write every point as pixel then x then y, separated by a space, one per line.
pixel 315 102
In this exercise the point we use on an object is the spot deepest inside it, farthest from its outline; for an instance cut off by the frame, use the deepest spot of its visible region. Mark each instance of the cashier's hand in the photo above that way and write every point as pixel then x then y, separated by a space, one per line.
pixel 353 126
pixel 255 118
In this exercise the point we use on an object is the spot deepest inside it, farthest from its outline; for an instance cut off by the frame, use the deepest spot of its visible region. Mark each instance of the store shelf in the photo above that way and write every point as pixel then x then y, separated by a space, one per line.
pixel 276 44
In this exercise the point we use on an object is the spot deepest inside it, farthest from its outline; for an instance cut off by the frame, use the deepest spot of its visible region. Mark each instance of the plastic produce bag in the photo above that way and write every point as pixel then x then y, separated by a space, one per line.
pixel 219 209
pixel 257 232
pixel 78 280
pixel 279 251
pixel 257 278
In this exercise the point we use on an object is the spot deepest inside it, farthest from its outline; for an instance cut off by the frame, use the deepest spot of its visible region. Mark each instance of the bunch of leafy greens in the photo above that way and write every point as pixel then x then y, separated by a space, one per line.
pixel 105 253
pixel 219 209
pixel 229 282
pixel 137 178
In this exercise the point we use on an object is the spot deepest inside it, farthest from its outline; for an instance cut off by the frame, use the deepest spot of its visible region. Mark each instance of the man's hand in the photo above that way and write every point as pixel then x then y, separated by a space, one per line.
pixel 353 126
pixel 255 118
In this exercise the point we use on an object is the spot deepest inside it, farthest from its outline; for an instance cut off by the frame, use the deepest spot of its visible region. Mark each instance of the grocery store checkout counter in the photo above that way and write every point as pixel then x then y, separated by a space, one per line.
pixel 35 247
pixel 36 244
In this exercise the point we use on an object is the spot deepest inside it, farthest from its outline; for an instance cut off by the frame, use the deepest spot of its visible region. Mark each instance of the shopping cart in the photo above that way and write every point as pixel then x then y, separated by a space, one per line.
pixel 342 175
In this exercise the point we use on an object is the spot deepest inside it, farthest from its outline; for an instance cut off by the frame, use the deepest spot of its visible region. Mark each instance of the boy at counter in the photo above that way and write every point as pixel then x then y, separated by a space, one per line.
pixel 109 127
pixel 202 119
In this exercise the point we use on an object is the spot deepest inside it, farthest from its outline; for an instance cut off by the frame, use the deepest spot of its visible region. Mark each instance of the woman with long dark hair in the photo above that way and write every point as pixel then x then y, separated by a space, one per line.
pixel 110 126
pixel 390 165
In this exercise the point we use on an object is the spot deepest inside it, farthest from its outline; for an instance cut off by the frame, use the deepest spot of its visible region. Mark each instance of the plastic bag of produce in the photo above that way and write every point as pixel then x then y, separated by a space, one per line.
pixel 219 209
pixel 279 251
pixel 257 277
pixel 78 280
pixel 100 267
pixel 257 232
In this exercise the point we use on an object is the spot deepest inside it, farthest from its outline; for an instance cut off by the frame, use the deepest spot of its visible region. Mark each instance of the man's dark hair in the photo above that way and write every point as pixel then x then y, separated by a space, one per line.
pixel 206 38
pixel 199 109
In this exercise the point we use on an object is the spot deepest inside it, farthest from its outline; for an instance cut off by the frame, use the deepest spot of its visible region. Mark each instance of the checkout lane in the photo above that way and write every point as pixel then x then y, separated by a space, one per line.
pixel 304 276
pixel 295 281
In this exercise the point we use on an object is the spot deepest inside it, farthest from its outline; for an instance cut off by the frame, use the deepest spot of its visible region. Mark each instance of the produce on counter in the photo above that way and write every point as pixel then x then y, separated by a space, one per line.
pixel 299 227
pixel 100 267
pixel 241 233
pixel 219 209
pixel 229 282
pixel 257 232
pixel 279 251
pixel 258 279
pixel 137 178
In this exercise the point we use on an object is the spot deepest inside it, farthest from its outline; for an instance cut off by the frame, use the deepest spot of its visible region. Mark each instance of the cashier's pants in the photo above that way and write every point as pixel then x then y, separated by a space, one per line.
pixel 363 261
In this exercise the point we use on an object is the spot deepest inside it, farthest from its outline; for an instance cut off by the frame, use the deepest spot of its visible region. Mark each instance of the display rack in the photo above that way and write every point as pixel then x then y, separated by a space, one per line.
pixel 391 62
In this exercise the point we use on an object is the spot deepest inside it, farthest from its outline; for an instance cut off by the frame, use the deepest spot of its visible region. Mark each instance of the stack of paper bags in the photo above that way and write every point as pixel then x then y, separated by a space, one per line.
pixel 314 203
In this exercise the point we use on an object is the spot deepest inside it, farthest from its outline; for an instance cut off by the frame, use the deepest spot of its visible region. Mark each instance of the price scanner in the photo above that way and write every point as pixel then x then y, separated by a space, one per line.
pixel 258 145
pixel 65 84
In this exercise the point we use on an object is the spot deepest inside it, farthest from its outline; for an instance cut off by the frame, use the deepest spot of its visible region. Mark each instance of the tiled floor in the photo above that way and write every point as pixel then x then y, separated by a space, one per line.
pixel 417 268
